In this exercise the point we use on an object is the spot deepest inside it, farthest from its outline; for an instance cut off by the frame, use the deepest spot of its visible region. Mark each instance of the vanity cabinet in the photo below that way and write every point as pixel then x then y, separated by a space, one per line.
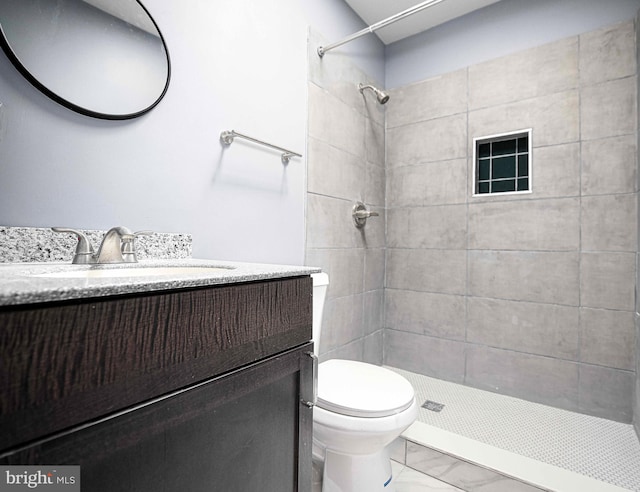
pixel 199 389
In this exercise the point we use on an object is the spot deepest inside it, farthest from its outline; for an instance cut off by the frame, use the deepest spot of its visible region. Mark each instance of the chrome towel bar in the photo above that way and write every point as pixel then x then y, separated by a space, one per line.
pixel 226 138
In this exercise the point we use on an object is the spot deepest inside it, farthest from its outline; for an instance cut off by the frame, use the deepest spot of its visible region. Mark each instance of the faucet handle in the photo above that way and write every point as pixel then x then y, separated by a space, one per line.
pixel 129 247
pixel 84 249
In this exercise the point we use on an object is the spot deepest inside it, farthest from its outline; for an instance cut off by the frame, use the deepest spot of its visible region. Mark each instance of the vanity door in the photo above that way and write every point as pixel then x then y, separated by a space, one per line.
pixel 248 430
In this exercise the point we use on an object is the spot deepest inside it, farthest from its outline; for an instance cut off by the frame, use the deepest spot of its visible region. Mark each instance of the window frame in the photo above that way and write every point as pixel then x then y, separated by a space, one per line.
pixel 528 132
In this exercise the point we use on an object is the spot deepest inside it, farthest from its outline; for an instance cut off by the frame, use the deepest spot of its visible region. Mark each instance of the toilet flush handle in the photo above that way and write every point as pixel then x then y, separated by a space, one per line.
pixel 314 397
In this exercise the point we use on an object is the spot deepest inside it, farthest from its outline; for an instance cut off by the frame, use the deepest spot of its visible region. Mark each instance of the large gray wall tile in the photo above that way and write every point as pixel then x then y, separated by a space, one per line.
pixel 526 276
pixel 427 227
pixel 553 118
pixel 606 221
pixel 609 109
pixel 543 329
pixel 333 122
pixel 439 96
pixel 342 322
pixel 374 264
pixel 439 315
pixel 374 181
pixel 607 280
pixel 372 348
pixel 607 53
pixel 607 338
pixel 428 141
pixel 435 183
pixel 552 224
pixel 353 350
pixel 606 393
pixel 334 172
pixel 428 270
pixel 329 223
pixel 430 356
pixel 345 267
pixel 373 317
pixel 535 378
pixel 375 142
pixel 609 165
pixel 373 176
pixel 556 171
pixel 535 72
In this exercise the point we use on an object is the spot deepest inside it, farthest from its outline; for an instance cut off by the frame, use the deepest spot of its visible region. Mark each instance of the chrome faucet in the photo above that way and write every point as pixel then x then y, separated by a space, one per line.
pixel 117 246
pixel 112 246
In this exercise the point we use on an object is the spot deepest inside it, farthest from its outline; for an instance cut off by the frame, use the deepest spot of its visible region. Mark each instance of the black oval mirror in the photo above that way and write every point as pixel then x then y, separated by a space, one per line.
pixel 101 58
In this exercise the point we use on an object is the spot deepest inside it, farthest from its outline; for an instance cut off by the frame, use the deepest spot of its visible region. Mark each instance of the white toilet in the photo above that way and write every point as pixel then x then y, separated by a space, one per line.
pixel 361 408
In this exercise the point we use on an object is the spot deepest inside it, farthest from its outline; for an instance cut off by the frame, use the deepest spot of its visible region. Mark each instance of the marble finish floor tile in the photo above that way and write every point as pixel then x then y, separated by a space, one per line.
pixel 406 479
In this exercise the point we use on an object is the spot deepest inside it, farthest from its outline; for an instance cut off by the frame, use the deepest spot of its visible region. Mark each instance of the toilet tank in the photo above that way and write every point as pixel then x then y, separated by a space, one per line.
pixel 320 284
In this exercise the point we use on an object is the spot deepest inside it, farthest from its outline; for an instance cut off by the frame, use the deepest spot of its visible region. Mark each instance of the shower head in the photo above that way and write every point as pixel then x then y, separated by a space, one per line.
pixel 381 96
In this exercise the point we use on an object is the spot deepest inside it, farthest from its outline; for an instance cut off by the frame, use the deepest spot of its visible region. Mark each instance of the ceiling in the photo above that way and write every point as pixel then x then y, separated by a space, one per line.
pixel 372 11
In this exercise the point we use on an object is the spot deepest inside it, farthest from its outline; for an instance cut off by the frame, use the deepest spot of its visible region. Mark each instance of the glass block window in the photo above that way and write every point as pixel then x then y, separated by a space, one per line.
pixel 503 163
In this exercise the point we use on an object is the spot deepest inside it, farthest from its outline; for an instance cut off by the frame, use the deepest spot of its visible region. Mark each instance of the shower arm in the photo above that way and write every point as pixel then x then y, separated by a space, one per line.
pixel 374 27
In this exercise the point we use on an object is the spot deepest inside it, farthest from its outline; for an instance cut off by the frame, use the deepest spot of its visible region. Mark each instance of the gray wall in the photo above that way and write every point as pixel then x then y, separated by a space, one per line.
pixel 345 165
pixel 506 27
pixel 236 64
pixel 527 295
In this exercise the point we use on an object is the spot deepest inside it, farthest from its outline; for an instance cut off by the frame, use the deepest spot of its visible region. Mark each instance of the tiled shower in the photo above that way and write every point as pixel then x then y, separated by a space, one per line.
pixel 534 293
pixel 346 164
pixel 529 295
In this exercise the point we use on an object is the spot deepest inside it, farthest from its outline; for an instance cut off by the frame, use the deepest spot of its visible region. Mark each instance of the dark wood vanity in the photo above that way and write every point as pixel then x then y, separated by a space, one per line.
pixel 196 389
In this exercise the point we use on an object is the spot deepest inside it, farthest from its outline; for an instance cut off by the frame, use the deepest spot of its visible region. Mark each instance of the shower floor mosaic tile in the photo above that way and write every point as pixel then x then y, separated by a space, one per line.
pixel 597 448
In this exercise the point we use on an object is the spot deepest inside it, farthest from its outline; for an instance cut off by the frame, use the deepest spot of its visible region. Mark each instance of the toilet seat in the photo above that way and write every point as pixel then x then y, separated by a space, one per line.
pixel 358 389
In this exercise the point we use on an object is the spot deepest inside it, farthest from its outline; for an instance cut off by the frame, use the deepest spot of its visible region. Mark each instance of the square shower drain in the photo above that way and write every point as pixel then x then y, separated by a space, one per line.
pixel 433 406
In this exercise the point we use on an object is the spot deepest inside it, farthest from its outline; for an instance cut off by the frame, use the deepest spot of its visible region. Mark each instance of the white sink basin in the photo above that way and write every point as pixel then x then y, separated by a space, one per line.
pixel 167 271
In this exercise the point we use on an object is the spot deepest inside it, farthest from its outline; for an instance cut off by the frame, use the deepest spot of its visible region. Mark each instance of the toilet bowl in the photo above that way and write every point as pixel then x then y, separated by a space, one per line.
pixel 361 408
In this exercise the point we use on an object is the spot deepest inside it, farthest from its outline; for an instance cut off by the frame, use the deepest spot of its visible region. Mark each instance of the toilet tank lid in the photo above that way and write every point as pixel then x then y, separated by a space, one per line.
pixel 362 390
pixel 320 278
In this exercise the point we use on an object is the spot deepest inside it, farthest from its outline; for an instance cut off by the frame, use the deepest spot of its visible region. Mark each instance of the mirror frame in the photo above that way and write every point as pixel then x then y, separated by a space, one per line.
pixel 6 47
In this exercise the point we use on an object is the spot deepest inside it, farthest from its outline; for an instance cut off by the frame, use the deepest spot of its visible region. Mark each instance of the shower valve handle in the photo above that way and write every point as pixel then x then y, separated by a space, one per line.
pixel 360 214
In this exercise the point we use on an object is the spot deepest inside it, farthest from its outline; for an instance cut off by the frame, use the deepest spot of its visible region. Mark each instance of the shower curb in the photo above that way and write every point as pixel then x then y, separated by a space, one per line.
pixel 466 464
pixel 459 471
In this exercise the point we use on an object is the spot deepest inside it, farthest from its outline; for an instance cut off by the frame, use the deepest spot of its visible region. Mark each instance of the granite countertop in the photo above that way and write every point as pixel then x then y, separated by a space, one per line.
pixel 30 283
